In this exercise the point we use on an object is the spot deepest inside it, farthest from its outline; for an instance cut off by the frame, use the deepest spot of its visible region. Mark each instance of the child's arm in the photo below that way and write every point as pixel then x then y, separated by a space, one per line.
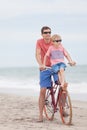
pixel 46 56
pixel 68 57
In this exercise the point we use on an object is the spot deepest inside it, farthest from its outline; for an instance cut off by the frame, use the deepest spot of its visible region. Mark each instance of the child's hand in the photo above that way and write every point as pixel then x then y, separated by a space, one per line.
pixel 72 63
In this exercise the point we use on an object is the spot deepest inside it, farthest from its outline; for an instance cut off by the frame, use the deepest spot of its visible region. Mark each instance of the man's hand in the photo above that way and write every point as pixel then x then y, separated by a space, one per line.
pixel 42 67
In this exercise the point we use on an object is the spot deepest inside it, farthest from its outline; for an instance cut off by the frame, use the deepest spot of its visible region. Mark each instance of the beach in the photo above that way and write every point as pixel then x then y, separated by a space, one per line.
pixel 18 112
pixel 19 91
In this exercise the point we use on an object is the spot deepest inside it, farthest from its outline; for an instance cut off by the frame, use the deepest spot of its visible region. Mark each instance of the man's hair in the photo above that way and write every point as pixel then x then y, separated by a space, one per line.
pixel 44 28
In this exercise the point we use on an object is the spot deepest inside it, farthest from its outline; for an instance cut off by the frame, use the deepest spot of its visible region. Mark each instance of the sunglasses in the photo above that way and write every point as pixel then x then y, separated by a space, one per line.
pixel 57 40
pixel 46 32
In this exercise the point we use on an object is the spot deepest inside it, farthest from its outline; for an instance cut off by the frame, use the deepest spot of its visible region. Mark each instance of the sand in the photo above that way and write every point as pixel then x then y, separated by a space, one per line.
pixel 21 113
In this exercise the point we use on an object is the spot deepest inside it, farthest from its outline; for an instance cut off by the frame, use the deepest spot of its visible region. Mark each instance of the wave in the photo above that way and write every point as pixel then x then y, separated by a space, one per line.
pixel 78 87
pixel 34 84
pixel 78 91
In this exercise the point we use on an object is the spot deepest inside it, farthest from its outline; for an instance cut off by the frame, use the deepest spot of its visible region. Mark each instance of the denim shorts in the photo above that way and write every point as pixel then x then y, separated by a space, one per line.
pixel 46 78
pixel 58 66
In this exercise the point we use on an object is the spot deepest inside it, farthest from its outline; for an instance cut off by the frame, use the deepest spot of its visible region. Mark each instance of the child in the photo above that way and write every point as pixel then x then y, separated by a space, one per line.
pixel 57 52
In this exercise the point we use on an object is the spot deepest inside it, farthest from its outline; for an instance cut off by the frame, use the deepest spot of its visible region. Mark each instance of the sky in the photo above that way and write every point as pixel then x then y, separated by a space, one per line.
pixel 22 20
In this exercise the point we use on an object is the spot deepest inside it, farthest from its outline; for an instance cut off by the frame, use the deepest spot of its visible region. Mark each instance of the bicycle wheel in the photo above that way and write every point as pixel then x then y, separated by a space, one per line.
pixel 48 108
pixel 65 107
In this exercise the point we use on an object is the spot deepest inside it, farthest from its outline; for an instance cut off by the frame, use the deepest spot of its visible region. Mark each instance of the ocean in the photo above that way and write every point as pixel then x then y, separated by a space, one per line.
pixel 25 81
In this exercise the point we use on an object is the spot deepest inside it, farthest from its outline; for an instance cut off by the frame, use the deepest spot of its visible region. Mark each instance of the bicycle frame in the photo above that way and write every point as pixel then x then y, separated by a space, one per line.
pixel 53 90
pixel 58 100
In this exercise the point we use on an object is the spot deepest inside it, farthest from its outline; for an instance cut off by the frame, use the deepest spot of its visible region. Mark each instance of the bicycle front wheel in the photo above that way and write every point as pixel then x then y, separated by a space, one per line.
pixel 65 108
pixel 48 108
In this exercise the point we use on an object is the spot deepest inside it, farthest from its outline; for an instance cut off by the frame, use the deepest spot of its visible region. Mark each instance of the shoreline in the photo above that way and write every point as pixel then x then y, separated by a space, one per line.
pixel 21 112
pixel 31 92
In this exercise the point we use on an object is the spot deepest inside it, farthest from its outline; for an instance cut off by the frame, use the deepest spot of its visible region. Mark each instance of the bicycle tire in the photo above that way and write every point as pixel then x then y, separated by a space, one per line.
pixel 48 108
pixel 65 108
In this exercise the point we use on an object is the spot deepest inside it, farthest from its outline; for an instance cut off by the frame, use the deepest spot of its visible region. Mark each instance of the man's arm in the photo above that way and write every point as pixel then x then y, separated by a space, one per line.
pixel 68 57
pixel 44 62
pixel 38 58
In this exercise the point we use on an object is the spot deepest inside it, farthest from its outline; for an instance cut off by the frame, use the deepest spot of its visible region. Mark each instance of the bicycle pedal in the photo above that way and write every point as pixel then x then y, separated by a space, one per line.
pixel 46 102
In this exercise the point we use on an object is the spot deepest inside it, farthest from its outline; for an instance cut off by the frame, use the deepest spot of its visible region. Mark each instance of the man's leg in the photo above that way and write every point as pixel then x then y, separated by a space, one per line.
pixel 41 103
pixel 45 81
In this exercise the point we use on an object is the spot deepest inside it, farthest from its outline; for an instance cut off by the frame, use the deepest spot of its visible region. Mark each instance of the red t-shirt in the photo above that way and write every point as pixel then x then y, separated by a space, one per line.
pixel 44 47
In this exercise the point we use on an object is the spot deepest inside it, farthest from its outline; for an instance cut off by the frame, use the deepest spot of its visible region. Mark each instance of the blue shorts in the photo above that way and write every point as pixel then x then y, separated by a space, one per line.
pixel 46 78
pixel 58 66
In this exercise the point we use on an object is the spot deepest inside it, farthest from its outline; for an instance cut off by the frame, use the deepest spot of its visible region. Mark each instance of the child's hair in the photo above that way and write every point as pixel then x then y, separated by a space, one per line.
pixel 55 36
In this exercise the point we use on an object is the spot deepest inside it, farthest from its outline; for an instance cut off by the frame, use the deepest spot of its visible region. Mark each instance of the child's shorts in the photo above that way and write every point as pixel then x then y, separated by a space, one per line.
pixel 58 66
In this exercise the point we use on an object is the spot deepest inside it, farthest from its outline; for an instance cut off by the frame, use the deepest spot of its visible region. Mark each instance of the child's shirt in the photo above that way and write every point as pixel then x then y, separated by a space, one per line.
pixel 56 54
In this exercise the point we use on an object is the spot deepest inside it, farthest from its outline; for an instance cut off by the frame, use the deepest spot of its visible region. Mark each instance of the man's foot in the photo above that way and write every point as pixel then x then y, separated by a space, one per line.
pixel 39 121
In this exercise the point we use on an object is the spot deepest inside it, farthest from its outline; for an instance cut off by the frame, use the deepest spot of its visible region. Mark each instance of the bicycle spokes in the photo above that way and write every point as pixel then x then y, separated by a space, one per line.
pixel 48 109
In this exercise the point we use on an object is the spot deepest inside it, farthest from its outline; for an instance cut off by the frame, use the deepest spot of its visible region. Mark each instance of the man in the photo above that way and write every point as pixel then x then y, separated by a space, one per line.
pixel 45 74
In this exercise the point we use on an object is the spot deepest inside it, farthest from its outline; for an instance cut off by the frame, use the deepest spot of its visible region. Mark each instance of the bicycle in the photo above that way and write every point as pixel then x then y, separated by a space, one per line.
pixel 58 100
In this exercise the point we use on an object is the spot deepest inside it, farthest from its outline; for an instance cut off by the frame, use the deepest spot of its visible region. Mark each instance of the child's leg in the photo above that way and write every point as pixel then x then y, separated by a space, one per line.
pixel 59 76
pixel 62 76
pixel 62 79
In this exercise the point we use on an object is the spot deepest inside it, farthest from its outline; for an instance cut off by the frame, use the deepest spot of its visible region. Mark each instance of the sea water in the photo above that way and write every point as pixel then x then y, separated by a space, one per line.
pixel 25 81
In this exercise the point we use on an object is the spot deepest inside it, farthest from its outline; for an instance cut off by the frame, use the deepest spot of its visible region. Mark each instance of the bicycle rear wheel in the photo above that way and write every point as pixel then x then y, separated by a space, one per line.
pixel 65 107
pixel 48 108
